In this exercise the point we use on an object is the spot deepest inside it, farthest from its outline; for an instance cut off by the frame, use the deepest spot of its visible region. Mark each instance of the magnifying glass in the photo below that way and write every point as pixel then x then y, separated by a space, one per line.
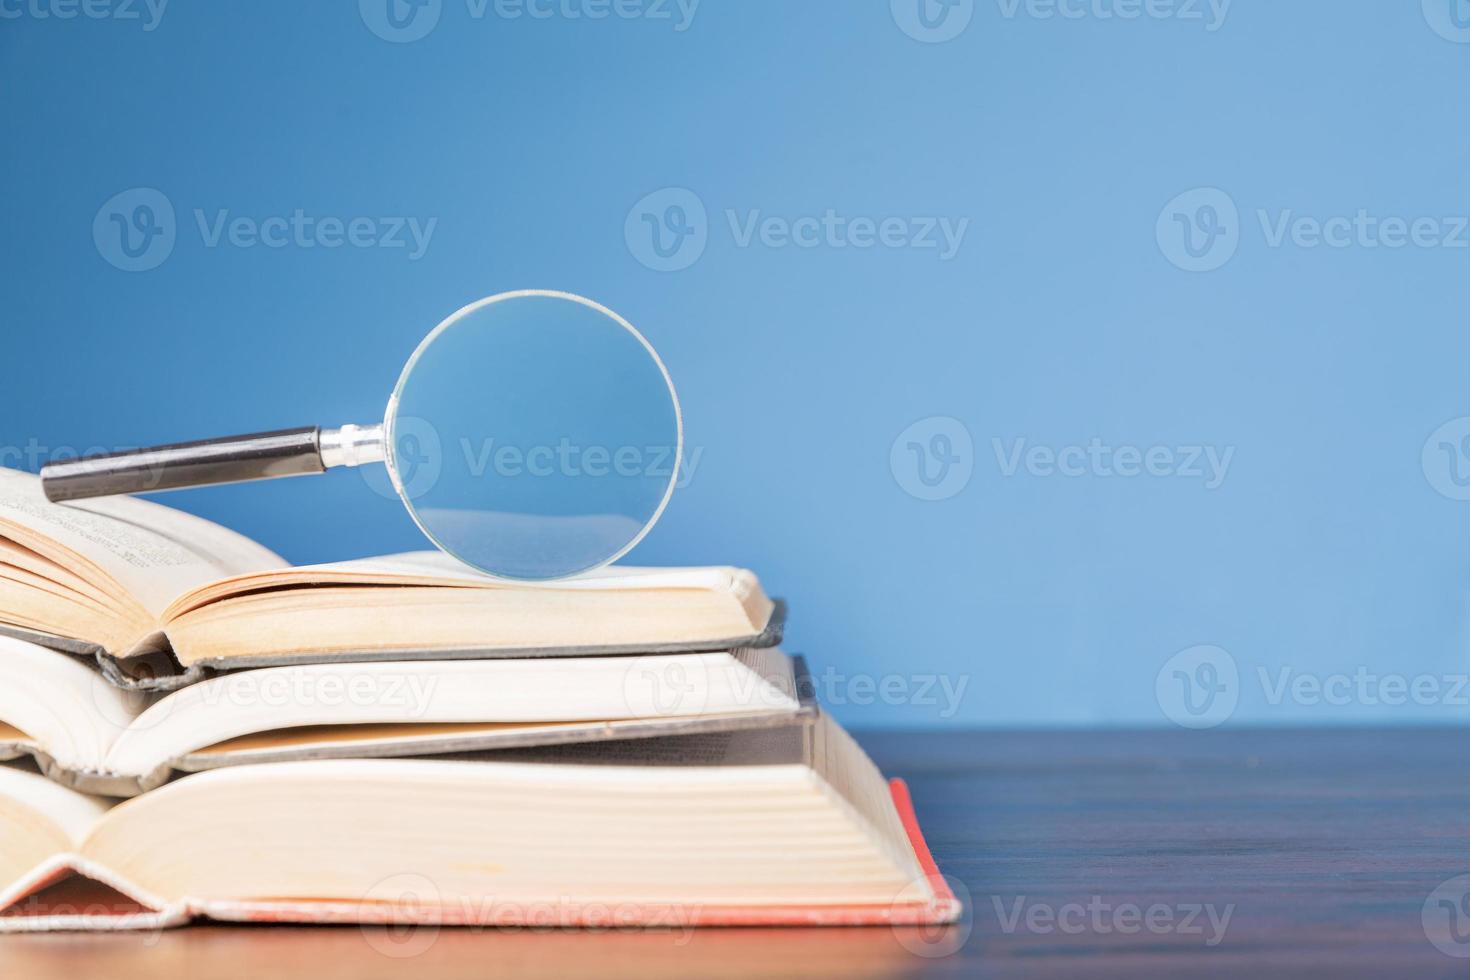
pixel 532 435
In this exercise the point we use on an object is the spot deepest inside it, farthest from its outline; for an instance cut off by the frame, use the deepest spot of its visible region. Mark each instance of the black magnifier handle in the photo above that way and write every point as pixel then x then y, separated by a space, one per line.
pixel 234 459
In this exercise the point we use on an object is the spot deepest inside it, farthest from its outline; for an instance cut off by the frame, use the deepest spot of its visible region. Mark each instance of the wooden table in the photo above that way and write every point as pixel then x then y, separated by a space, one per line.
pixel 1094 854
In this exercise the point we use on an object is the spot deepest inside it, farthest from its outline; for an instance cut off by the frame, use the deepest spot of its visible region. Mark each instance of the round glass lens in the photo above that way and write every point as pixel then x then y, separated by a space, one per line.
pixel 534 435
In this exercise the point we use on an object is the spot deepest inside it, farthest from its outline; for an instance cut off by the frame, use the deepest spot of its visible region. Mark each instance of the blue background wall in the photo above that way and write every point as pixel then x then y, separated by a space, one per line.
pixel 1333 548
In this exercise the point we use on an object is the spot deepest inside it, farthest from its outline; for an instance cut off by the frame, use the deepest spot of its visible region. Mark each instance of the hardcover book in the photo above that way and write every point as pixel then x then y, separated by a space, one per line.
pixel 163 598
pixel 780 826
pixel 85 733
pixel 190 728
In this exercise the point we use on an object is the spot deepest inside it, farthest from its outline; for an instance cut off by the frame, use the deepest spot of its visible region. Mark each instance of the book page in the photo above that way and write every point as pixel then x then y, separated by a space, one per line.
pixel 530 691
pixel 152 552
pixel 415 565
pixel 435 568
pixel 758 747
pixel 39 822
pixel 63 706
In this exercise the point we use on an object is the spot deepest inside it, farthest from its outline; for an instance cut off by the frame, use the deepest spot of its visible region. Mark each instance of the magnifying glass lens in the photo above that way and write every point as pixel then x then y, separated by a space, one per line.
pixel 534 435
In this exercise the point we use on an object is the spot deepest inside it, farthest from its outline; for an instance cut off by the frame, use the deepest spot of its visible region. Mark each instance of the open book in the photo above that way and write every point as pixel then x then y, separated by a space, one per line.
pixel 85 733
pixel 791 825
pixel 139 583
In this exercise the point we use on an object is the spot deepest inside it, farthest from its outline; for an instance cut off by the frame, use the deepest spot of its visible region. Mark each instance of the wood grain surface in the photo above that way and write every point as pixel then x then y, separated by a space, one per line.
pixel 1119 854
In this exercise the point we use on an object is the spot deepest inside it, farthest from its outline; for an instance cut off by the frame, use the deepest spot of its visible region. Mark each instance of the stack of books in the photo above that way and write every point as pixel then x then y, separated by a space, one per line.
pixel 192 728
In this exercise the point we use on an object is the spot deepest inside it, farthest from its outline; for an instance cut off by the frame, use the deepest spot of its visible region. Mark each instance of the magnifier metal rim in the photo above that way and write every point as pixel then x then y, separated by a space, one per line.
pixel 390 418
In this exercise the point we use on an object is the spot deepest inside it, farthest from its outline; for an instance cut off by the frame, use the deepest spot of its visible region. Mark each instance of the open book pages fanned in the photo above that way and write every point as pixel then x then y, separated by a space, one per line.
pixel 155 593
pixel 83 732
pixel 787 825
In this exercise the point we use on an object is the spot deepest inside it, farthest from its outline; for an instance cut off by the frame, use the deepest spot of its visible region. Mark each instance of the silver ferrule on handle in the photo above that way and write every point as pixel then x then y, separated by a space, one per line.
pixel 353 445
